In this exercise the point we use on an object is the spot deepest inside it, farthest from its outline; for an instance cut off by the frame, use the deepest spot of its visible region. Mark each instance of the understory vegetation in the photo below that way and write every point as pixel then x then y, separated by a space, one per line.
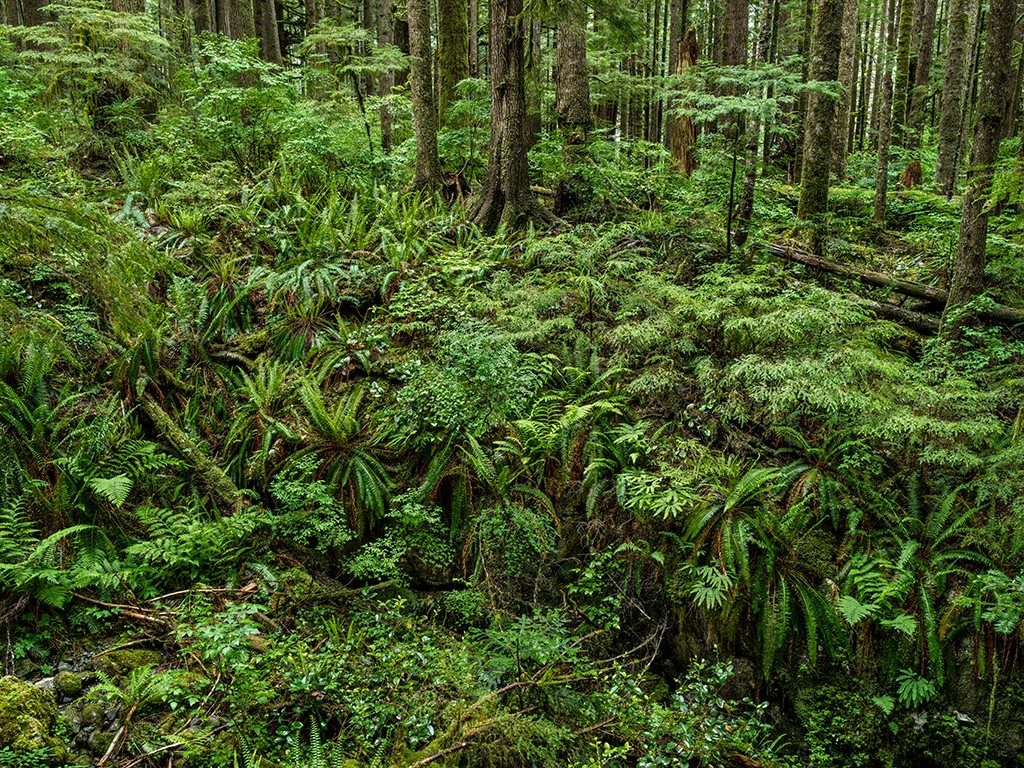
pixel 300 466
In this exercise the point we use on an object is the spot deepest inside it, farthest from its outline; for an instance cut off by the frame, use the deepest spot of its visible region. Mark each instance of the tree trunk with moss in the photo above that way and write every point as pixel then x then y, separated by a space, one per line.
pixel 452 51
pixel 922 69
pixel 821 110
pixel 505 198
pixel 967 280
pixel 386 36
pixel 847 56
pixel 901 78
pixel 128 6
pixel 884 137
pixel 952 98
pixel 199 12
pixel 427 171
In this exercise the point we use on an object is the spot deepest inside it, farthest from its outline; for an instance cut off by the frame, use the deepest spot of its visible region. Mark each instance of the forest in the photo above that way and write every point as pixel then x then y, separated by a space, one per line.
pixel 512 383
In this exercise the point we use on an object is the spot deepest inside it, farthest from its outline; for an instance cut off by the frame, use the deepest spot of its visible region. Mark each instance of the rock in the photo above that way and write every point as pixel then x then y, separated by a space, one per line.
pixel 120 663
pixel 99 742
pixel 68 685
pixel 92 714
pixel 46 684
pixel 27 717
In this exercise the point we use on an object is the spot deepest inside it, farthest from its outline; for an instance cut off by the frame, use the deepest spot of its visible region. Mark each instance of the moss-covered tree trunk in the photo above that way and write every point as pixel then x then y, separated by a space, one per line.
pixel 884 137
pixel 821 110
pixel 901 77
pixel 473 27
pixel 386 36
pixel 922 69
pixel 505 198
pixel 967 280
pixel 534 86
pixel 950 114
pixel 847 79
pixel 128 6
pixel 427 167
pixel 199 11
pixel 572 86
pixel 452 51
pixel 804 50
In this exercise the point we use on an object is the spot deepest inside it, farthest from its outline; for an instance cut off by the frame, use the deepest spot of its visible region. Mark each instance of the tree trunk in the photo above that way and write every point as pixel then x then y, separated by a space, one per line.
pixel 746 209
pixel 901 80
pixel 270 42
pixel 427 173
pixel 923 69
pixel 199 11
pixel 386 36
pixel 473 28
pixel 847 55
pixel 533 81
pixel 572 88
pixel 452 51
pixel 820 126
pixel 505 198
pixel 682 135
pixel 804 50
pixel 128 6
pixel 884 133
pixel 735 22
pixel 967 280
pixel 952 98
pixel 243 19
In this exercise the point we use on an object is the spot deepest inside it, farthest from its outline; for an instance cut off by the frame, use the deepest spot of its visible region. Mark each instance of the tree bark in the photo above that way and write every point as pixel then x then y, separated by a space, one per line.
pixel 199 11
pixel 128 6
pixel 427 172
pixel 967 281
pixel 386 36
pixel 847 79
pixel 923 69
pixel 820 125
pixel 243 19
pixel 505 198
pixel 572 88
pixel 682 135
pixel 270 42
pixel 473 27
pixel 884 132
pixel 452 51
pixel 901 79
pixel 735 23
pixel 952 98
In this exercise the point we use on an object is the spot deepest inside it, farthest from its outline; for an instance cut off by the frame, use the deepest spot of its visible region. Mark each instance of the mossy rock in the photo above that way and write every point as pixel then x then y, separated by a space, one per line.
pixel 120 663
pixel 27 717
pixel 68 685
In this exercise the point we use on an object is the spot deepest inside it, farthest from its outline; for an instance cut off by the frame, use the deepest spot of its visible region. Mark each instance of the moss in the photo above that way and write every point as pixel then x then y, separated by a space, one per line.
pixel 27 716
pixel 68 684
pixel 118 663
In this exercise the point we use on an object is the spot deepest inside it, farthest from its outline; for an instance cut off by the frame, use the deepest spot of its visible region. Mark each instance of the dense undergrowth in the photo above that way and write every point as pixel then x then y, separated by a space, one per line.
pixel 380 490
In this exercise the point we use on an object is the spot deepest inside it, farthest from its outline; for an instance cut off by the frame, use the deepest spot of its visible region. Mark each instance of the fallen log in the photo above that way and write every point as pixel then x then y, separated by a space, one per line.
pixel 934 298
pixel 211 475
pixel 919 321
pixel 921 291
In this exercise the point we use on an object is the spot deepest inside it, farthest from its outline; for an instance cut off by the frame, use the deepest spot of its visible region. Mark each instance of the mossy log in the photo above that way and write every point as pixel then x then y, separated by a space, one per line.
pixel 212 476
pixel 934 298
